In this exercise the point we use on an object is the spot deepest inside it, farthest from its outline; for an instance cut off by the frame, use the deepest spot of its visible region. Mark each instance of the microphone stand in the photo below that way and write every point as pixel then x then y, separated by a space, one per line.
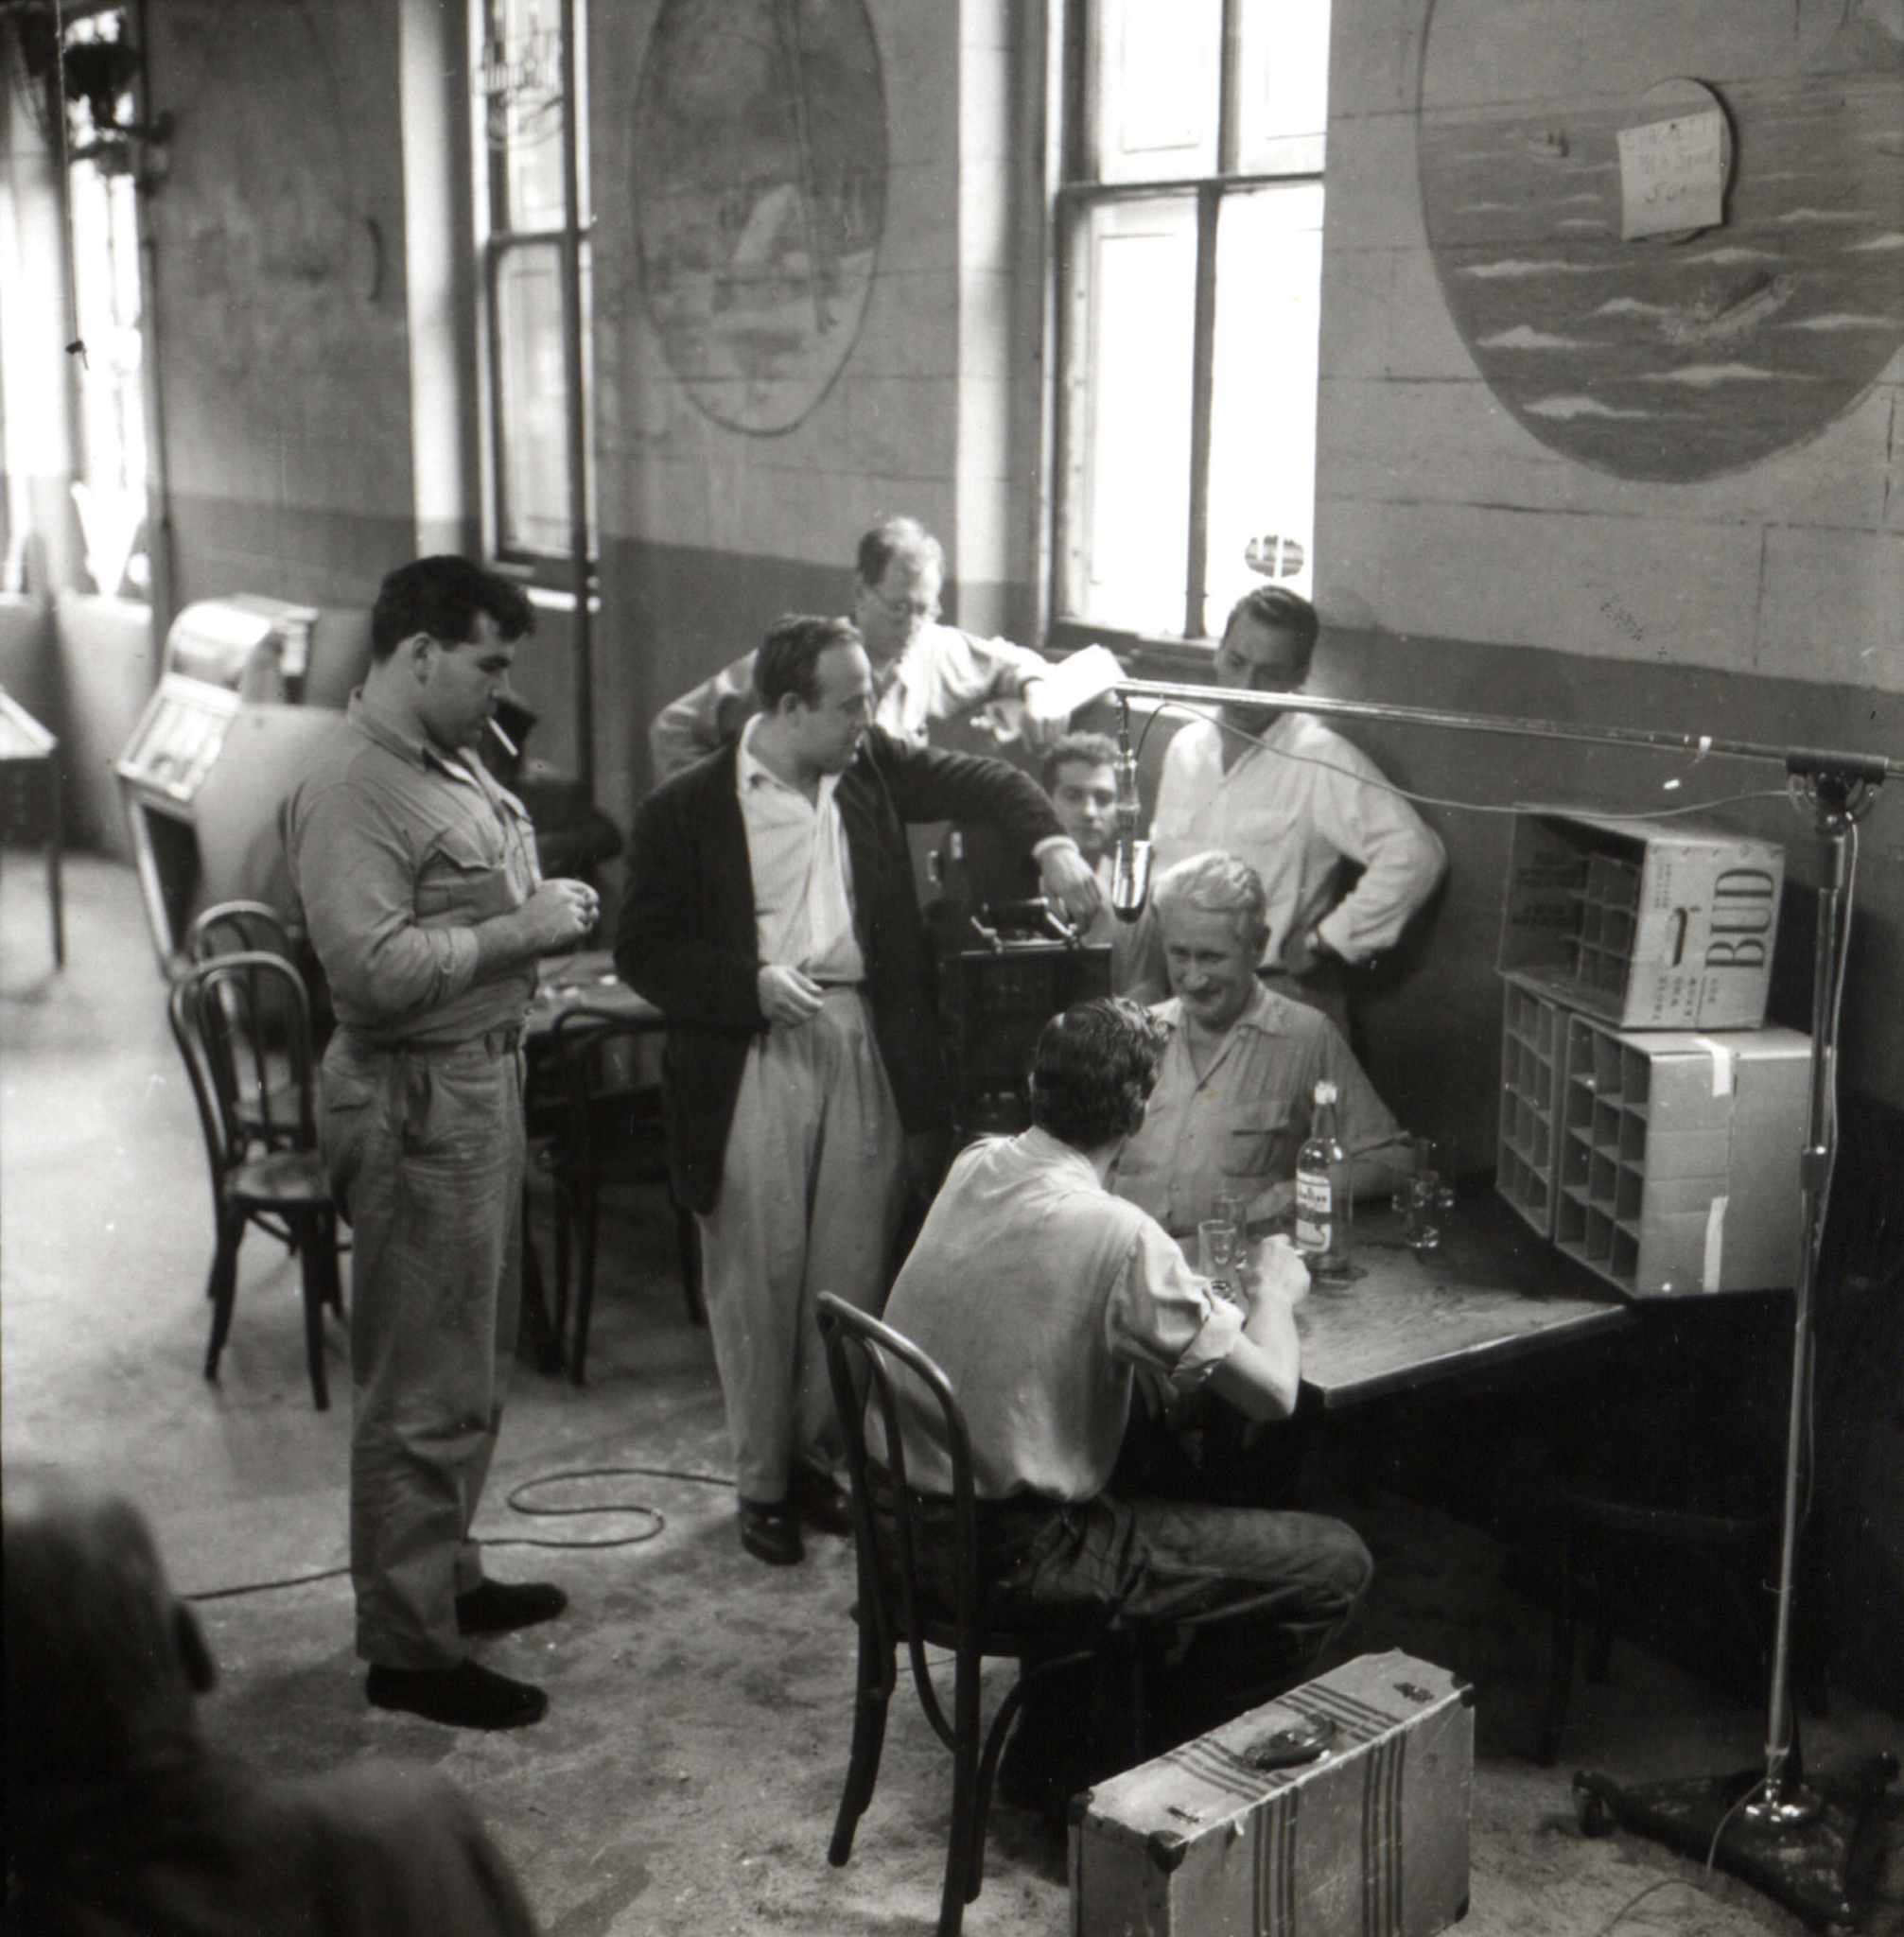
pixel 1792 1839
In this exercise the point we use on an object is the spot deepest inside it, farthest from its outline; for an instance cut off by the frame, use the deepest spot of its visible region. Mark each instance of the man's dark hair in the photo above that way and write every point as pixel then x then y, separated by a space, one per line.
pixel 789 657
pixel 1280 611
pixel 442 595
pixel 1083 749
pixel 1093 1072
pixel 891 537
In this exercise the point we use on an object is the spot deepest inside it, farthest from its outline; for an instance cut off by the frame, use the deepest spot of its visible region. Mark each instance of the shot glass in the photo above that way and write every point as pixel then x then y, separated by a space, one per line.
pixel 1426 1194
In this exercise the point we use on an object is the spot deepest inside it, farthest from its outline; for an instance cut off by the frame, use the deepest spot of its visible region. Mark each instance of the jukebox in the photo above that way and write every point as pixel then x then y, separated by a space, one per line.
pixel 246 687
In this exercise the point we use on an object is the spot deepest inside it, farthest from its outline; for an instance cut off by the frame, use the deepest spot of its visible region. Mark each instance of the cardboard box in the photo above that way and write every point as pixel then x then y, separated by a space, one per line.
pixel 1370 1837
pixel 1650 925
pixel 1679 1156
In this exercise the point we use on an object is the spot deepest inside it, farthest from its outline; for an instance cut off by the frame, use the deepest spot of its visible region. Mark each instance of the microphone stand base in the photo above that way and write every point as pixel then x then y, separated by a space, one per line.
pixel 1803 1843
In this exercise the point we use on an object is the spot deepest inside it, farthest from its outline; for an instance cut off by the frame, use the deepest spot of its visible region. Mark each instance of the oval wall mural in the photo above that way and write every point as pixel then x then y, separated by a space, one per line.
pixel 1704 348
pixel 759 197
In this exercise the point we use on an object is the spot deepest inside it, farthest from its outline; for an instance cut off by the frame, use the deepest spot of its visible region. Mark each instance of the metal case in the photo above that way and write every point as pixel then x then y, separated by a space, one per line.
pixel 1370 1840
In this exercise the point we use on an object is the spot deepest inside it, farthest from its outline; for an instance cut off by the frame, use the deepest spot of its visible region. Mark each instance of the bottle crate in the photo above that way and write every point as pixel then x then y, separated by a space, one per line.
pixel 1649 925
pixel 1678 1156
pixel 1534 1042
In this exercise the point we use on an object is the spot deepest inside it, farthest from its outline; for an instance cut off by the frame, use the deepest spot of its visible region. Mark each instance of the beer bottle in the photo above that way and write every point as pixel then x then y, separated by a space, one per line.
pixel 1323 1191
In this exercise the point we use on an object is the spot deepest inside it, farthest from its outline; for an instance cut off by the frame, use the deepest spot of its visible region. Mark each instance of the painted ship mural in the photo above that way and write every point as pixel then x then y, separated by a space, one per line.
pixel 1678 360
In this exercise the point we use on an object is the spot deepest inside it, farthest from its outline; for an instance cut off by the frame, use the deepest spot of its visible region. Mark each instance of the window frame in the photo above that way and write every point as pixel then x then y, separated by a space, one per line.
pixel 551 569
pixel 1078 191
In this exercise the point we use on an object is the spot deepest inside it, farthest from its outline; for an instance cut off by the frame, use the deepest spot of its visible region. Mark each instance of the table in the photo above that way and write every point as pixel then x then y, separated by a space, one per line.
pixel 1491 1294
pixel 565 985
pixel 29 749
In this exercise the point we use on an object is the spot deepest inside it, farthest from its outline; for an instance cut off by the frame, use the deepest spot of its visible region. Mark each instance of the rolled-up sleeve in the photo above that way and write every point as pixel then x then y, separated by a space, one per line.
pixel 357 879
pixel 701 719
pixel 1160 1314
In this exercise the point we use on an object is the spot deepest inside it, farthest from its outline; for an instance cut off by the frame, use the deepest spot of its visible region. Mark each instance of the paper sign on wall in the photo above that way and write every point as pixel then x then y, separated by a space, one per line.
pixel 1672 175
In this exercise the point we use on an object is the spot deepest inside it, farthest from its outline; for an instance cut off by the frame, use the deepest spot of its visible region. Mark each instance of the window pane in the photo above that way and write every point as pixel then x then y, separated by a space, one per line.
pixel 531 432
pixel 1158 83
pixel 1263 404
pixel 1283 86
pixel 523 80
pixel 1132 318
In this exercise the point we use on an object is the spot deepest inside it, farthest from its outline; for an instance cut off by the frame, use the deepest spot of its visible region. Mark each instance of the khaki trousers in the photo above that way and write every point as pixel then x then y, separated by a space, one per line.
pixel 811 1187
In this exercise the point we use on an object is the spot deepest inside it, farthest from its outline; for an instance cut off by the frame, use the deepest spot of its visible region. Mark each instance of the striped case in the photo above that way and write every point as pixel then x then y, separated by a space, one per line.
pixel 1369 1840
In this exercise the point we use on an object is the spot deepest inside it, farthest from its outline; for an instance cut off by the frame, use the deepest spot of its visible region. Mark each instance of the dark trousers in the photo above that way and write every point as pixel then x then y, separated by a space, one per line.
pixel 1117 1575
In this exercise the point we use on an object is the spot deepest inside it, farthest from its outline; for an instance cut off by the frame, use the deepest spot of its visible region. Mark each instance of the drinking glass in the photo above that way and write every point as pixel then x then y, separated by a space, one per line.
pixel 1426 1194
pixel 1216 1254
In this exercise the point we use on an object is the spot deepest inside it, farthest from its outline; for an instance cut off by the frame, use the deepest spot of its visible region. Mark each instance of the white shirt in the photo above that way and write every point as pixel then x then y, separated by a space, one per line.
pixel 803 880
pixel 1295 808
pixel 1038 1294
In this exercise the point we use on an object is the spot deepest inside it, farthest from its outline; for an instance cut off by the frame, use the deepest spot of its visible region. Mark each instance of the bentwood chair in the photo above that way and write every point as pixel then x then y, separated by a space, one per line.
pixel 893 1607
pixel 608 1131
pixel 242 1023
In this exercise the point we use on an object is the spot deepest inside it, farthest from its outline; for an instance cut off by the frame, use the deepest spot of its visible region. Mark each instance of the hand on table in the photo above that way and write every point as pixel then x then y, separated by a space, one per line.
pixel 788 995
pixel 1277 1270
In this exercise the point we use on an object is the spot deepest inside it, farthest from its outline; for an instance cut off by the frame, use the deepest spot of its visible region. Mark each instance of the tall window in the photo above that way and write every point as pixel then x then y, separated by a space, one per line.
pixel 1190 255
pixel 534 212
pixel 109 487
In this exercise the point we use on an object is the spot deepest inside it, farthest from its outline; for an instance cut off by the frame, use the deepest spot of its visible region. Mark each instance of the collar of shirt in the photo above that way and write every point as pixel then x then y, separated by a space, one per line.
pixel 1264 1012
pixel 416 752
pixel 1040 1147
pixel 1279 737
pixel 750 770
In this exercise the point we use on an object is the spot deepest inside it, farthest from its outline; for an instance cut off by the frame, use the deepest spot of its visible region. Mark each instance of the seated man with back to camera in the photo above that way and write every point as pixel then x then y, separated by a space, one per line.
pixel 1298 802
pixel 922 671
pixel 1037 1293
pixel 1238 1073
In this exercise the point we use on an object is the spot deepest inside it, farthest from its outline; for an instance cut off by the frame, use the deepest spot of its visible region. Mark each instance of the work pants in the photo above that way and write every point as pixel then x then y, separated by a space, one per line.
pixel 1114 1573
pixel 811 1187
pixel 425 1149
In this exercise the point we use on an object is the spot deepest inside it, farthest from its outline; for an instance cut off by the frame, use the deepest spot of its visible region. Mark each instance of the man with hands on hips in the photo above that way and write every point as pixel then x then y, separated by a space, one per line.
pixel 772 917
pixel 424 900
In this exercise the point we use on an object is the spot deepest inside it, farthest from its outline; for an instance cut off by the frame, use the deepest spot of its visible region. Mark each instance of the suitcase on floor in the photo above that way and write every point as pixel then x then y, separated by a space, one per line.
pixel 1254 1830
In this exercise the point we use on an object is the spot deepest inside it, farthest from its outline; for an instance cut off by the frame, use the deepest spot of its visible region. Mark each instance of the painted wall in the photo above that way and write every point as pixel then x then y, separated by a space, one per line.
pixel 278 238
pixel 1464 561
pixel 708 531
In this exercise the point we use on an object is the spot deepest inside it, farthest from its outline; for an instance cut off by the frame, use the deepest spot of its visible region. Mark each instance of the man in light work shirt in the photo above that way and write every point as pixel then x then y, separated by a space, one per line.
pixel 1238 1073
pixel 422 898
pixel 772 917
pixel 922 671
pixel 1295 801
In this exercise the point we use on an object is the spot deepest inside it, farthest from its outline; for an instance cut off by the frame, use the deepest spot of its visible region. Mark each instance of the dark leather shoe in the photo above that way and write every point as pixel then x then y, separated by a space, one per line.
pixel 499 1607
pixel 468 1695
pixel 820 1501
pixel 769 1532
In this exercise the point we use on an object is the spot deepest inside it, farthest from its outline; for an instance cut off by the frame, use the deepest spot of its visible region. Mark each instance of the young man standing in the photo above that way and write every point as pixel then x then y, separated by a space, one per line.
pixel 425 904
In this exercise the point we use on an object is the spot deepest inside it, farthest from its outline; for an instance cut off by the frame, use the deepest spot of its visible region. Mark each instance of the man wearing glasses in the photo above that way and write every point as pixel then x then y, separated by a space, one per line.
pixel 922 671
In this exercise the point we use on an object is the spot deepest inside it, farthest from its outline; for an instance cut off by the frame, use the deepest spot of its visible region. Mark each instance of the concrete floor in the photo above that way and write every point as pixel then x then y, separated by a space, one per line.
pixel 686 1778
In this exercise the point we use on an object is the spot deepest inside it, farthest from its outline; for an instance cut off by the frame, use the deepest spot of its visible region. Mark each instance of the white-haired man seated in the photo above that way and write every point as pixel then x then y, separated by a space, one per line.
pixel 1238 1074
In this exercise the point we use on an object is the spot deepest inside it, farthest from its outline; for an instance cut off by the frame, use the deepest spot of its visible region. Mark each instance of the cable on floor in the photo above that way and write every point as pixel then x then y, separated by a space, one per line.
pixel 516 1501
pixel 1703 1887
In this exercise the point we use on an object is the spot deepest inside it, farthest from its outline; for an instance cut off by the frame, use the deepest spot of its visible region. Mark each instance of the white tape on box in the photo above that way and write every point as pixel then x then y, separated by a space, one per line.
pixel 1722 1063
pixel 1715 1246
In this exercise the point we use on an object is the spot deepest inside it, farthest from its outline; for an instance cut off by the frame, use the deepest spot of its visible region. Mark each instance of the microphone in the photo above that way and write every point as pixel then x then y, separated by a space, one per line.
pixel 1130 859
